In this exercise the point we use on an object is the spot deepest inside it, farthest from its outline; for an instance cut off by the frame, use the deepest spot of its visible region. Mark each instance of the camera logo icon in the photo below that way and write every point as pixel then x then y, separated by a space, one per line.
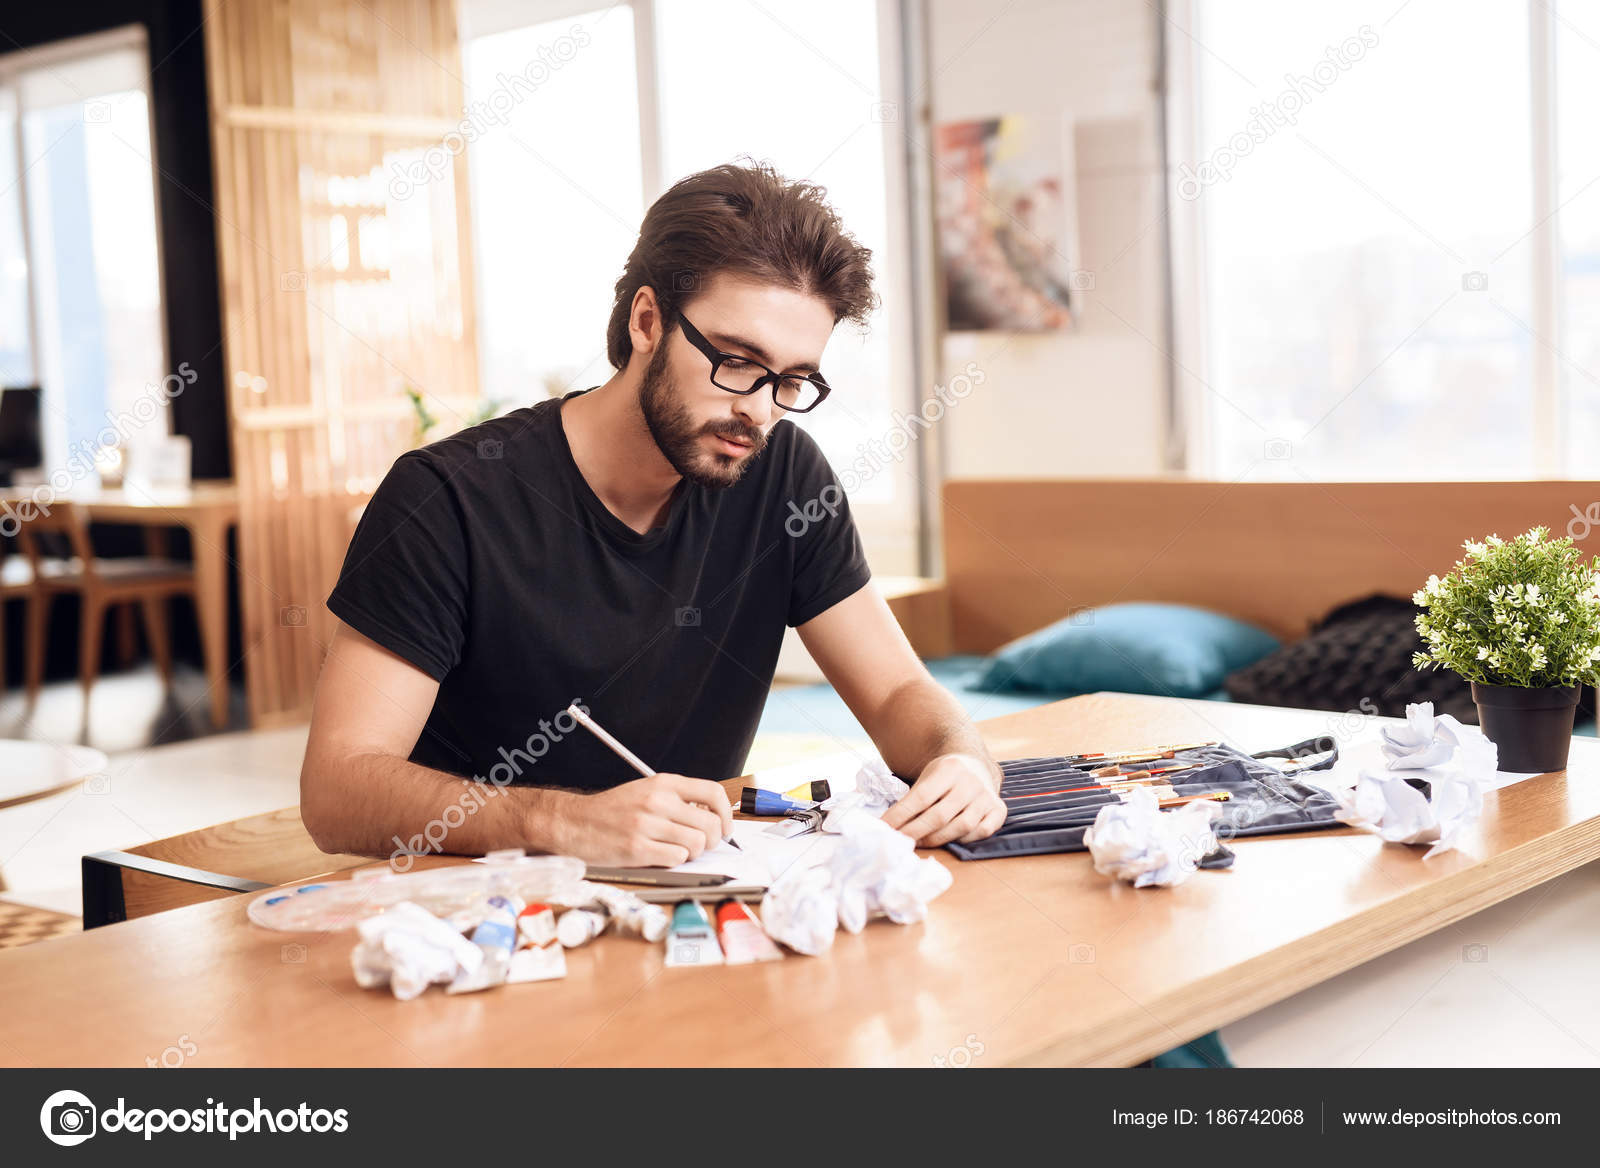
pixel 687 618
pixel 1081 281
pixel 292 616
pixel 685 281
pixel 1475 281
pixel 68 1118
pixel 490 448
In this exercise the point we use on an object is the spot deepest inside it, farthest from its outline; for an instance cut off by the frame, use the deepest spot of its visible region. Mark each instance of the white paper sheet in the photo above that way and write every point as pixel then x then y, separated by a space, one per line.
pixel 764 857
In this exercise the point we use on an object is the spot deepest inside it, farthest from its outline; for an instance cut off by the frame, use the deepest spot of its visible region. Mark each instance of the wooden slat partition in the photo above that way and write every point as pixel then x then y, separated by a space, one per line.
pixel 1022 553
pixel 343 282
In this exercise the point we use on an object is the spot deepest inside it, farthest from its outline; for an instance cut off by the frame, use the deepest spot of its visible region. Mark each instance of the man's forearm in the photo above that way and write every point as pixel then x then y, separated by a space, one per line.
pixel 377 804
pixel 921 721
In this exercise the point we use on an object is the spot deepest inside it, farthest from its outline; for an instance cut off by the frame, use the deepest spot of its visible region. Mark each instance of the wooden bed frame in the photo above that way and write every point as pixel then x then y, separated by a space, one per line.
pixel 1022 553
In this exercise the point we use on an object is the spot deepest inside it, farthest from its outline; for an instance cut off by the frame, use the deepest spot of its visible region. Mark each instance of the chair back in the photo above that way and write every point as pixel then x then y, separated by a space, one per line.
pixel 60 531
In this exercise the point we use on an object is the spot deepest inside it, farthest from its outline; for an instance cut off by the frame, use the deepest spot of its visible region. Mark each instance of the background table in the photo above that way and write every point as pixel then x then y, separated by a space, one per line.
pixel 37 770
pixel 1035 960
pixel 206 511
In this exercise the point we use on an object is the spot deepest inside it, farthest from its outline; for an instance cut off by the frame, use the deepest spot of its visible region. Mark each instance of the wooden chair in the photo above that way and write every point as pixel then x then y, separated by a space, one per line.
pixel 149 581
pixel 245 855
pixel 16 582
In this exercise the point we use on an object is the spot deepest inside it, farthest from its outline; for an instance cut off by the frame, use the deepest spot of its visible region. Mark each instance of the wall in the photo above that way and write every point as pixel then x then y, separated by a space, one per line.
pixel 1092 400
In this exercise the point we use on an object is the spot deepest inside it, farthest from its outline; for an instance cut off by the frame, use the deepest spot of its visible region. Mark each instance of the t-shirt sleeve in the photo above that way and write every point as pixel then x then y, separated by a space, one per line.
pixel 404 580
pixel 829 562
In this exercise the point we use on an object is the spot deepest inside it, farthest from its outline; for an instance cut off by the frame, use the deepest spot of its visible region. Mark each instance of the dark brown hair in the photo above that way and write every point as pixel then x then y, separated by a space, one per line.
pixel 750 221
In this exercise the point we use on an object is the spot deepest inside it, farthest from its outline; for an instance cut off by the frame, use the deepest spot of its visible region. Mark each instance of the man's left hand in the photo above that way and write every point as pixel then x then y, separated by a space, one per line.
pixel 954 798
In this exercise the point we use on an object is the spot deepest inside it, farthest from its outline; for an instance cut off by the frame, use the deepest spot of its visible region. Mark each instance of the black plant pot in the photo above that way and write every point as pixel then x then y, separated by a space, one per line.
pixel 1532 728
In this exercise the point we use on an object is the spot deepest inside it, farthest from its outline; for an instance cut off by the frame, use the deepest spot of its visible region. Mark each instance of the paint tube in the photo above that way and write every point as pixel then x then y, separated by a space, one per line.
pixel 538 956
pixel 496 935
pixel 743 939
pixel 536 925
pixel 540 963
pixel 691 941
pixel 579 926
pixel 755 801
pixel 634 918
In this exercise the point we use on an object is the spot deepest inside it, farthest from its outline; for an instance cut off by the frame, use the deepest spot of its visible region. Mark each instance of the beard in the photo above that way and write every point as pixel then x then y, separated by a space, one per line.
pixel 678 436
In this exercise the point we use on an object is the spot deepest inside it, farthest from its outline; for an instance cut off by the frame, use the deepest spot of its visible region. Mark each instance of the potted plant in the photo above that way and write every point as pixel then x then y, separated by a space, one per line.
pixel 1520 620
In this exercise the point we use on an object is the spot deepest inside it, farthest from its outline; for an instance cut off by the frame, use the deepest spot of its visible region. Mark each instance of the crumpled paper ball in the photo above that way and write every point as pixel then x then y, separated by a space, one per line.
pixel 877 872
pixel 876 790
pixel 874 871
pixel 1134 840
pixel 1455 760
pixel 1427 741
pixel 802 911
pixel 409 949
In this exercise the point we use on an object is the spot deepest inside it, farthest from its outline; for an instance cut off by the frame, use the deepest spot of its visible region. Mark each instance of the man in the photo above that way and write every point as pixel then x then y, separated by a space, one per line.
pixel 633 548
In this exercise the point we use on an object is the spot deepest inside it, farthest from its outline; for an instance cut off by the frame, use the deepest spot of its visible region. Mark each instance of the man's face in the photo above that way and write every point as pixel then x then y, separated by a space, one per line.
pixel 708 434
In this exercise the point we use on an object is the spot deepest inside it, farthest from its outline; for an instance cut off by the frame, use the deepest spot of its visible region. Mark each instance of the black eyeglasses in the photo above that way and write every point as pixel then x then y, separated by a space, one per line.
pixel 741 375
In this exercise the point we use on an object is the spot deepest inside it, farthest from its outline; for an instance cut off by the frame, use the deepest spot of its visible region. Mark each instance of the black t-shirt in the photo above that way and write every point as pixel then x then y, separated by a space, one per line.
pixel 487 561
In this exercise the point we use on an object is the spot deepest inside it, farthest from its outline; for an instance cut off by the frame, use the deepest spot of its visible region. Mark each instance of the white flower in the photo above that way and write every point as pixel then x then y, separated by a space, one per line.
pixel 1483 652
pixel 1532 594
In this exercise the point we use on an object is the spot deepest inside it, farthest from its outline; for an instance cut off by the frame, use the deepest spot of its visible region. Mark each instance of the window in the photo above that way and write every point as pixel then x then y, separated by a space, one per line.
pixel 556 198
pixel 80 290
pixel 1359 201
pixel 1577 354
pixel 665 89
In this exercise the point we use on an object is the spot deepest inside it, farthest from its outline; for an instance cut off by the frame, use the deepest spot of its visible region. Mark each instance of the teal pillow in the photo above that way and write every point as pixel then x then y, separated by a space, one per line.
pixel 1168 649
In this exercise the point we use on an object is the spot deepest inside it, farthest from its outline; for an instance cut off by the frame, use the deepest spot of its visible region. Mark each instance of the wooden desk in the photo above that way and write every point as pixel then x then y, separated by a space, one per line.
pixel 206 511
pixel 1039 959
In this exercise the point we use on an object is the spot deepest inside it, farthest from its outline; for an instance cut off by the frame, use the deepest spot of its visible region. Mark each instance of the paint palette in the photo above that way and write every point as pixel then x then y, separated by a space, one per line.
pixel 445 892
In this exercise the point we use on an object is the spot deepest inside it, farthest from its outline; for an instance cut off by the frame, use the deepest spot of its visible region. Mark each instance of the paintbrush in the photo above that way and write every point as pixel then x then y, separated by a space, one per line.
pixel 1130 782
pixel 1206 796
pixel 1115 772
pixel 1140 755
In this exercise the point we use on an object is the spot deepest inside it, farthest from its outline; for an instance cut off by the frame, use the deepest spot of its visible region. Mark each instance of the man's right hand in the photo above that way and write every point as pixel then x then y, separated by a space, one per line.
pixel 658 822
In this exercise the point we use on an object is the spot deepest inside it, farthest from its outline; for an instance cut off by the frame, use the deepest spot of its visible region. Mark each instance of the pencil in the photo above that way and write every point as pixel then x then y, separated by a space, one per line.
pixel 626 755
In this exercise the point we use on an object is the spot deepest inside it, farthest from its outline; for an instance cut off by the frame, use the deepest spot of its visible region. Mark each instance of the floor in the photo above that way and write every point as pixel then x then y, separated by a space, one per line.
pixel 1509 986
pixel 127 710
